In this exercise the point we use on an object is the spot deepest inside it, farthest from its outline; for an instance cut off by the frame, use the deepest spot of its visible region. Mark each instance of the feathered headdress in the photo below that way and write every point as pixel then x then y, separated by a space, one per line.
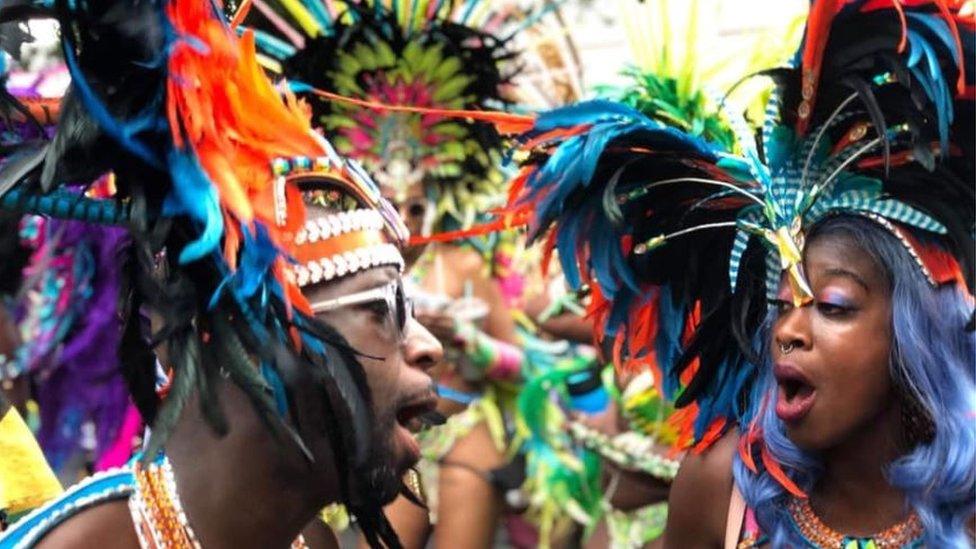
pixel 211 164
pixel 681 240
pixel 440 55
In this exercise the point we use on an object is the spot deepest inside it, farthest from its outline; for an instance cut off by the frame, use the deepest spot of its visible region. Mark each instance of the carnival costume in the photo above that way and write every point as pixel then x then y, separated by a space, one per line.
pixel 681 240
pixel 211 165
pixel 443 56
pixel 69 324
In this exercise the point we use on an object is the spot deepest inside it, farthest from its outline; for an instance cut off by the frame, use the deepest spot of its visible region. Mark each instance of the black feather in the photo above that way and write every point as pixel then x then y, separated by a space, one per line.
pixel 866 94
pixel 16 167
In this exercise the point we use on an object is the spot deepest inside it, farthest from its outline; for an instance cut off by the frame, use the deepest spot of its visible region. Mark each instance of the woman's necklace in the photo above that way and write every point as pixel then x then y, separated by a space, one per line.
pixel 903 534
pixel 157 513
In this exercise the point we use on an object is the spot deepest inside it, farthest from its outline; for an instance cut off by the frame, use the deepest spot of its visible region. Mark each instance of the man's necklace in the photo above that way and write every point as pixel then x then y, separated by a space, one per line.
pixel 157 513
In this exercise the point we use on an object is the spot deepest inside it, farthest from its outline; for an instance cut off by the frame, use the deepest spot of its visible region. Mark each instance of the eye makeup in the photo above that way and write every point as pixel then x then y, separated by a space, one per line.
pixel 835 297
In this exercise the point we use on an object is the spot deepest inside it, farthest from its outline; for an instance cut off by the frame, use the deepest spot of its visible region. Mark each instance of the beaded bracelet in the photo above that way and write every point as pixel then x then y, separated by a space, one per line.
pixel 629 450
pixel 500 361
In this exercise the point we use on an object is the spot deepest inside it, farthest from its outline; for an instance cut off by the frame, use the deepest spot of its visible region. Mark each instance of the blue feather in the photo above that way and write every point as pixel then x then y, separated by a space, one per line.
pixel 194 195
pixel 932 79
pixel 258 255
pixel 123 133
pixel 270 44
pixel 671 323
pixel 297 86
pixel 277 388
pixel 566 242
pixel 257 258
pixel 323 17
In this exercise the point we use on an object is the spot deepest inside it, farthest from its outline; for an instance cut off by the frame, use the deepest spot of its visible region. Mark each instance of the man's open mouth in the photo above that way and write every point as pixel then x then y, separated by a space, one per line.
pixel 419 414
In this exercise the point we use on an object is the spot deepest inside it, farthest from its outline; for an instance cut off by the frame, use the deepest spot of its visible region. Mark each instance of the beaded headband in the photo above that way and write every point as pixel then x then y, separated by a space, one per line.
pixel 335 244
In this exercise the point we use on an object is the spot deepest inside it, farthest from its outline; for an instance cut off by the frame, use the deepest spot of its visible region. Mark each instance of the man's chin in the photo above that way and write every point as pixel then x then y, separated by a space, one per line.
pixel 385 479
pixel 382 484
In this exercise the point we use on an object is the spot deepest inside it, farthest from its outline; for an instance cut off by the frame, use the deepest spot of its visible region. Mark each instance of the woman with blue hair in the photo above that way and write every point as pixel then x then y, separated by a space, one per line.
pixel 866 399
pixel 804 295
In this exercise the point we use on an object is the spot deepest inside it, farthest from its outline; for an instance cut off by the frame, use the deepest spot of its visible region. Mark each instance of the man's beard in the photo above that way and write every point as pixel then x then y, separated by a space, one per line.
pixel 382 477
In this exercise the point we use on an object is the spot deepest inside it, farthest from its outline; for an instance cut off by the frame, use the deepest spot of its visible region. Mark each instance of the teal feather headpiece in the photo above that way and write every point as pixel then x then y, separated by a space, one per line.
pixel 680 238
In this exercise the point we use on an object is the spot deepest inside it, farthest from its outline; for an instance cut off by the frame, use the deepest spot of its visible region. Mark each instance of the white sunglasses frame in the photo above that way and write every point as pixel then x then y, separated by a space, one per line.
pixel 386 292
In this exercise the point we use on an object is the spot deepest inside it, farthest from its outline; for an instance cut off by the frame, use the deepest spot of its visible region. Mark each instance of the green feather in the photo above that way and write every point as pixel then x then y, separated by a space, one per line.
pixel 432 58
pixel 452 88
pixel 338 121
pixel 366 57
pixel 185 351
pixel 244 373
pixel 348 64
pixel 413 54
pixel 447 69
pixel 384 55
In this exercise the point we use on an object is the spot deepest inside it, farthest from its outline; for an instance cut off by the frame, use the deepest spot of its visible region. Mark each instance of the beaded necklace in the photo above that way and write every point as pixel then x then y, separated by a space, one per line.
pixel 905 534
pixel 157 513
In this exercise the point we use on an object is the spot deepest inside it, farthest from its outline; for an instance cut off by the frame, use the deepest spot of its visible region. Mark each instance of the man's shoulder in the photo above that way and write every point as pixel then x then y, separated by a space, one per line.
pixel 93 513
pixel 106 525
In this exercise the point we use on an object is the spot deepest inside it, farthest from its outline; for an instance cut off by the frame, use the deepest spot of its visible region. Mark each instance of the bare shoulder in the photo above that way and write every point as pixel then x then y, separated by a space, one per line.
pixel 699 500
pixel 106 526
pixel 464 260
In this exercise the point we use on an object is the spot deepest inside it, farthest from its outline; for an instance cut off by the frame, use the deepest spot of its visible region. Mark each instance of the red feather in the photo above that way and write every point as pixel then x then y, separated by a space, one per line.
pixel 776 471
pixel 504 222
pixel 506 123
pixel 818 29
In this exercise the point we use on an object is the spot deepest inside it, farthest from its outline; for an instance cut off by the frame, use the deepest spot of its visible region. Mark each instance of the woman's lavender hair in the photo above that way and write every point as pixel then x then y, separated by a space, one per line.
pixel 932 360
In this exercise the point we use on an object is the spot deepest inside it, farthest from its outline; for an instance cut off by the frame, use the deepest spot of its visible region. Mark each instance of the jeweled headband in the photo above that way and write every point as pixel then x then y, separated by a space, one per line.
pixel 355 228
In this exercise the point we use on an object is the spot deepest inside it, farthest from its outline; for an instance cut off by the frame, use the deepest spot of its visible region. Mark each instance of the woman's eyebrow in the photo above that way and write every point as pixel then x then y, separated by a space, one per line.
pixel 845 273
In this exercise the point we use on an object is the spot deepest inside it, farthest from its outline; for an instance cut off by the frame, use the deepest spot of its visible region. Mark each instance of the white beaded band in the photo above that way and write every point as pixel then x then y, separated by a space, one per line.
pixel 346 263
pixel 332 225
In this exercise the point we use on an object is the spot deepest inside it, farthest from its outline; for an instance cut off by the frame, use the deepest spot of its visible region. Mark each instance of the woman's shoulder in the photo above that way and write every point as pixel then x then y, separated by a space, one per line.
pixel 699 500
pixel 464 259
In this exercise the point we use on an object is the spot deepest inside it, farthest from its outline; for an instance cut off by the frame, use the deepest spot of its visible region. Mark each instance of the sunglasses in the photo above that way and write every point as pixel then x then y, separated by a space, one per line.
pixel 414 208
pixel 399 307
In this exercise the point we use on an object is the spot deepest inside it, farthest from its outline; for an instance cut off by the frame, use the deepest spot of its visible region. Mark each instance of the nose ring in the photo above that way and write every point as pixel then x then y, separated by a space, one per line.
pixel 787 348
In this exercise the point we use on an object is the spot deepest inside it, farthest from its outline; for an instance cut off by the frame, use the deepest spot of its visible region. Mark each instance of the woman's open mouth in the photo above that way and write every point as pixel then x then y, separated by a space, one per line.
pixel 796 394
